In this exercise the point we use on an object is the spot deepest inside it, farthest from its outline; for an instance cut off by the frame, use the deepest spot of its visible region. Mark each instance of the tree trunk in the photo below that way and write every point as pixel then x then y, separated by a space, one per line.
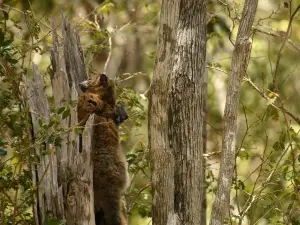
pixel 49 197
pixel 162 157
pixel 241 55
pixel 175 108
pixel 63 177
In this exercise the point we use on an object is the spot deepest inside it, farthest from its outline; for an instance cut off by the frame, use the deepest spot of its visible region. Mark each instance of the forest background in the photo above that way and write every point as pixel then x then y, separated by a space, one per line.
pixel 266 183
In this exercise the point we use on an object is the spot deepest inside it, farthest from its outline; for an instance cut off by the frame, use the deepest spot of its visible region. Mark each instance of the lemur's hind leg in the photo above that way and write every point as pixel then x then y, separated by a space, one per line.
pixel 99 218
pixel 111 206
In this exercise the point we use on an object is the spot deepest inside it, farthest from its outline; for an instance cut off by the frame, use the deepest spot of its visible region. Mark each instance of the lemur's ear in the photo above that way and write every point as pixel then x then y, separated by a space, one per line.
pixel 103 79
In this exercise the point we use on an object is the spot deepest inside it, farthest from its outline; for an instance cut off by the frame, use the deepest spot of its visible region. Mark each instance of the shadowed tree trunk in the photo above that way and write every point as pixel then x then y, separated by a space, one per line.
pixel 175 113
pixel 240 59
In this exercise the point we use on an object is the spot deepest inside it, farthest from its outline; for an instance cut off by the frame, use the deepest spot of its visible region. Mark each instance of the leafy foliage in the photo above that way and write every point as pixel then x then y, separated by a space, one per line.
pixel 266 185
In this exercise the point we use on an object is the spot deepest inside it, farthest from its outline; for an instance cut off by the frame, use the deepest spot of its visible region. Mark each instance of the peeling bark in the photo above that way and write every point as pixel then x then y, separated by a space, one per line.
pixel 63 177
pixel 241 55
pixel 49 196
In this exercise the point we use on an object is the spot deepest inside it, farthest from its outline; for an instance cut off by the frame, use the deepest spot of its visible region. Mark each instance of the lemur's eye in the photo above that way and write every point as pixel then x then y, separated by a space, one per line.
pixel 103 79
pixel 92 102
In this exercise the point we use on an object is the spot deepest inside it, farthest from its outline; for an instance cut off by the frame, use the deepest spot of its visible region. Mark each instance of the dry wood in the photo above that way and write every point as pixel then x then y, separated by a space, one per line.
pixel 50 201
pixel 64 177
pixel 74 60
pixel 241 55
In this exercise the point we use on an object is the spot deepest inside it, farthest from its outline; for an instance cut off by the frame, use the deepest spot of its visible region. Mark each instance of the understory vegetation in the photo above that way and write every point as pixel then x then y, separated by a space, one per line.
pixel 266 184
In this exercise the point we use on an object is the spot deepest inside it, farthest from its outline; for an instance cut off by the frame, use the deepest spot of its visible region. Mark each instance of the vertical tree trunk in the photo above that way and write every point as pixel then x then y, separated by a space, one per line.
pixel 239 65
pixel 64 177
pixel 162 157
pixel 186 107
pixel 175 120
pixel 49 197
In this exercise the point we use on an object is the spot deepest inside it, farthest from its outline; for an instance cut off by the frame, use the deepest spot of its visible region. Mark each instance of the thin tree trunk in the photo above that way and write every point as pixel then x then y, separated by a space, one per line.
pixel 175 109
pixel 239 65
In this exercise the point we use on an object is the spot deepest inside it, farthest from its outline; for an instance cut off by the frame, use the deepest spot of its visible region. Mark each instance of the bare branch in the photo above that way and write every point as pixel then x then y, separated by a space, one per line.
pixel 114 58
pixel 281 48
pixel 277 35
pixel 296 119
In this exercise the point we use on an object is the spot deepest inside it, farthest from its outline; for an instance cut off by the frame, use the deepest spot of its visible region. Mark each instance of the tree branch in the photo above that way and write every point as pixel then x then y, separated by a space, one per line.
pixel 281 48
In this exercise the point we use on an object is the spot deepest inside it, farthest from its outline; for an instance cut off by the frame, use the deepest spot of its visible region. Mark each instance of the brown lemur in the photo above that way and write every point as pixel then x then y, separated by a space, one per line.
pixel 110 175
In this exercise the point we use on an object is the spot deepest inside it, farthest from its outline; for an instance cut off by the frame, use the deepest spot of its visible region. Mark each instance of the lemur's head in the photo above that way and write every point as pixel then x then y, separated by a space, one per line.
pixel 100 85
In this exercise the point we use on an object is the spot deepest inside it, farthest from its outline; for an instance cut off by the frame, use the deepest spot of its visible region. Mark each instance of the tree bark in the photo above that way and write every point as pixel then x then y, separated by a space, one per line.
pixel 49 197
pixel 175 108
pixel 63 177
pixel 241 55
pixel 162 157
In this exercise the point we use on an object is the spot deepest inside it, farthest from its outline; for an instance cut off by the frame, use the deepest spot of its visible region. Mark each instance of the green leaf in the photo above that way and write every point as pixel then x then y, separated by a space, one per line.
pixel 131 156
pixel 278 146
pixel 40 122
pixel 52 122
pixel 282 137
pixel 271 101
pixel 54 221
pixel 273 113
pixel 106 8
pixel 7 42
pixel 3 143
pixel 12 61
pixel 292 132
pixel 66 113
pixel 1 38
pixel 78 130
pixel 3 152
pixel 60 110
pixel 296 220
pixel 143 212
pixel 5 15
pixel 57 141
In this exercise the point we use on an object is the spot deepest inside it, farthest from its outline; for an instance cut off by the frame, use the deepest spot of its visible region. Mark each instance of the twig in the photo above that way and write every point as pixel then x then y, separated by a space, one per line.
pixel 281 48
pixel 24 13
pixel 277 35
pixel 112 74
pixel 297 120
pixel 216 68
pixel 94 10
pixel 138 194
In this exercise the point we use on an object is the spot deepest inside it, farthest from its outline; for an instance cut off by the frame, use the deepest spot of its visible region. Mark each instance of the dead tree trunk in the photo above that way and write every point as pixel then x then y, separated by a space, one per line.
pixel 64 176
pixel 49 198
pixel 175 107
pixel 240 59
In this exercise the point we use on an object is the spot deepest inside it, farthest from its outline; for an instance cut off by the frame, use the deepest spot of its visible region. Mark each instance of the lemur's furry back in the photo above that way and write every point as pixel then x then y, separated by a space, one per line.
pixel 110 174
